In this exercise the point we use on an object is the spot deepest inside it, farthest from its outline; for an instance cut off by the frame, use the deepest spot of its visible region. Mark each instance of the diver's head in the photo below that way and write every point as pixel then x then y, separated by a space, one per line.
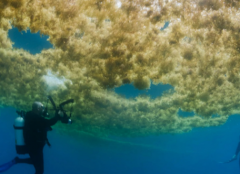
pixel 37 107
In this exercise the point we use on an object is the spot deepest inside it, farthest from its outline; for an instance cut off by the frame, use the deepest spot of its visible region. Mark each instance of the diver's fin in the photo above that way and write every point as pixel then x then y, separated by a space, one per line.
pixel 231 160
pixel 8 165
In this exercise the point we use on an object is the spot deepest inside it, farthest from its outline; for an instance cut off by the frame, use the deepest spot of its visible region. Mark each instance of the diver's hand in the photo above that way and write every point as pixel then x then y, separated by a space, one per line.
pixel 234 157
pixel 60 113
pixel 231 160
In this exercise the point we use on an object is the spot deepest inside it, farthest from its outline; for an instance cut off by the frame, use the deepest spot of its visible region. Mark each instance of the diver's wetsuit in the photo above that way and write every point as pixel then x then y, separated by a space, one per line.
pixel 35 136
pixel 237 151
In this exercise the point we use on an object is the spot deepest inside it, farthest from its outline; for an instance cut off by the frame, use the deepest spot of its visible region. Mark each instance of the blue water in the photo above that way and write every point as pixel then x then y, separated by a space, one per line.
pixel 32 42
pixel 129 91
pixel 196 152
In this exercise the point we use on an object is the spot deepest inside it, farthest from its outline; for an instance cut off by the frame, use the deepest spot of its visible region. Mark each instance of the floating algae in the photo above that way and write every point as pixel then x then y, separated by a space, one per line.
pixel 102 44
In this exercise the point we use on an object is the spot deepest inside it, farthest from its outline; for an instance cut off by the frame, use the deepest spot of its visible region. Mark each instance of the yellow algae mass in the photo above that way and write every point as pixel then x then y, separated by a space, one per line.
pixel 101 44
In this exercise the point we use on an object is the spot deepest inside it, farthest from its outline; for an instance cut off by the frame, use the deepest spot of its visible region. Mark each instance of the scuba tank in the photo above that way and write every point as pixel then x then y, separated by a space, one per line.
pixel 19 124
pixel 18 127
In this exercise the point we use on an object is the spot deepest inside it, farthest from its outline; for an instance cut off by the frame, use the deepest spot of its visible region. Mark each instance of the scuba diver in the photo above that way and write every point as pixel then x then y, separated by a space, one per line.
pixel 31 134
pixel 234 157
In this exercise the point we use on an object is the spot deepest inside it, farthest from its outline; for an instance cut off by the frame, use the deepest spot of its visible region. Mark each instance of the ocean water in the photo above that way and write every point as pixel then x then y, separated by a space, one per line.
pixel 198 151
pixel 195 152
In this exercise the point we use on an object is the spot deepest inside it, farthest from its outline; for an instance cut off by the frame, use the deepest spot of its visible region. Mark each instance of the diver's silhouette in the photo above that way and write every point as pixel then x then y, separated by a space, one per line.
pixel 35 137
pixel 234 157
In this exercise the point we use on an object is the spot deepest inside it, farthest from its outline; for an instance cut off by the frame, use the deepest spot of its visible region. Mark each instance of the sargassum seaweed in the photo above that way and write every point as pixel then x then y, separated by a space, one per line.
pixel 102 44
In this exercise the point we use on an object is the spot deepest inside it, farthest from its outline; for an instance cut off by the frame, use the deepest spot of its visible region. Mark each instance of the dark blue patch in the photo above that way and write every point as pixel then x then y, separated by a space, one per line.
pixel 185 114
pixel 129 91
pixel 32 42
pixel 165 25
pixel 191 114
pixel 215 115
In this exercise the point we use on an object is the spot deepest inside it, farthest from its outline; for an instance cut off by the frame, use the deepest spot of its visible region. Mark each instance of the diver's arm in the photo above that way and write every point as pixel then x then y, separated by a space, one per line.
pixel 238 149
pixel 234 157
pixel 236 153
pixel 51 121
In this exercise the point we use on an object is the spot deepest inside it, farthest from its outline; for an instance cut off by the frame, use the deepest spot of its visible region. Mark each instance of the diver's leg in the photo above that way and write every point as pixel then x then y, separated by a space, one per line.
pixel 26 160
pixel 36 156
pixel 239 162
pixel 16 160
pixel 8 165
pixel 238 149
pixel 37 159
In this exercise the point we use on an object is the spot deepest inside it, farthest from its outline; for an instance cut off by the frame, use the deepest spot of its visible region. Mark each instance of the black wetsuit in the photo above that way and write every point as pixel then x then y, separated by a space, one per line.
pixel 237 151
pixel 35 136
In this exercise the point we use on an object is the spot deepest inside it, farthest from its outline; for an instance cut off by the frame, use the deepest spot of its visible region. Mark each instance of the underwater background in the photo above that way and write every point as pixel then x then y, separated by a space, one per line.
pixel 198 151
pixel 134 68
